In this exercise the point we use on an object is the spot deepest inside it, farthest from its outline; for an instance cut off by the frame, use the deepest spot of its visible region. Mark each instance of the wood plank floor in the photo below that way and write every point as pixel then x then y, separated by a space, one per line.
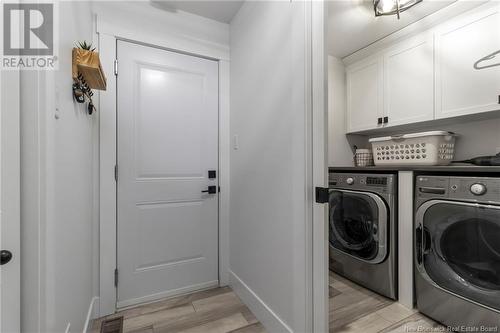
pixel 356 309
pixel 212 311
pixel 352 309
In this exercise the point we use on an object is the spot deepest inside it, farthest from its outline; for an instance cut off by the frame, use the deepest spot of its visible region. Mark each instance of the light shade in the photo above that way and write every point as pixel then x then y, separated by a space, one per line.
pixel 392 7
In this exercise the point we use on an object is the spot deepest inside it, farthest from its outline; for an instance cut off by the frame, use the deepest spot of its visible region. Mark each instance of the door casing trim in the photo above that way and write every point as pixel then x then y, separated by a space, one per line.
pixel 107 41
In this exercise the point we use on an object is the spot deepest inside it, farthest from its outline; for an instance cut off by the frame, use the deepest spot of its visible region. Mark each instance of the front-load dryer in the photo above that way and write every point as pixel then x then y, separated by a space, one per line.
pixel 457 251
pixel 363 229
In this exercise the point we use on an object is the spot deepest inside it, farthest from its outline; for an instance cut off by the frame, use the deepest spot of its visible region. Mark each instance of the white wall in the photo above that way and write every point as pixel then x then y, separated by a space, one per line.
pixel 59 168
pixel 268 170
pixel 476 138
pixel 184 31
pixel 340 147
pixel 160 23
pixel 71 186
pixel 339 150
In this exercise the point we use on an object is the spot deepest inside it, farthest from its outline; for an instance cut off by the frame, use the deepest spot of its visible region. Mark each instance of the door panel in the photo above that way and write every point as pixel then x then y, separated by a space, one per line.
pixel 183 122
pixel 460 249
pixel 409 81
pixel 460 88
pixel 365 94
pixel 182 218
pixel 167 141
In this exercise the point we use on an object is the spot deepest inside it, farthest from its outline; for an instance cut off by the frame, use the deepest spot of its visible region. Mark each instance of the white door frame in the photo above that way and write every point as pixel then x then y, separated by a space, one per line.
pixel 319 98
pixel 10 306
pixel 106 35
pixel 316 87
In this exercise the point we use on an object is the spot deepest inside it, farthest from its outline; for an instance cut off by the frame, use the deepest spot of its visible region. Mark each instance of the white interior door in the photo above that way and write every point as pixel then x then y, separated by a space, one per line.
pixel 167 122
pixel 10 294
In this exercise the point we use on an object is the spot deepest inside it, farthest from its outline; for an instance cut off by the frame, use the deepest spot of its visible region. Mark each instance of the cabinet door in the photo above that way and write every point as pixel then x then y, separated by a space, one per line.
pixel 460 88
pixel 365 94
pixel 409 81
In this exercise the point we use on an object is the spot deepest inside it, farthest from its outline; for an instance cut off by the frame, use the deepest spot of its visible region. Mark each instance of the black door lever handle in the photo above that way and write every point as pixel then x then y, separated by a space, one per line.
pixel 5 257
pixel 210 190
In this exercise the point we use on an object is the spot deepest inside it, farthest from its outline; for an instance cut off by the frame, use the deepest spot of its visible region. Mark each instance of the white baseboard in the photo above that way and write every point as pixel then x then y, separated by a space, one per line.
pixel 91 314
pixel 271 321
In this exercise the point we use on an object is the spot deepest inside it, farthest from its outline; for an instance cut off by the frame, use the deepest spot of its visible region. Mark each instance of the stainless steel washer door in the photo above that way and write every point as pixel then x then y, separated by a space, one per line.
pixel 458 249
pixel 358 225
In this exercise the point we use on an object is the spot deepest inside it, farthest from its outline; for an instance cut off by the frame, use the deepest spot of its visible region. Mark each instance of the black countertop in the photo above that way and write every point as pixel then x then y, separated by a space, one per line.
pixel 461 168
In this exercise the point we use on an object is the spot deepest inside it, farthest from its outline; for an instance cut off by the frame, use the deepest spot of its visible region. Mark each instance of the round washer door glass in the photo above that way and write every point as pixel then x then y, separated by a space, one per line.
pixel 461 251
pixel 354 224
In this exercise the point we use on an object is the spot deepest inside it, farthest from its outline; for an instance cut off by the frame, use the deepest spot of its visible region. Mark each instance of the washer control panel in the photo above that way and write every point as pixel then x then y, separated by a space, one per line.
pixel 384 183
pixel 380 181
pixel 480 189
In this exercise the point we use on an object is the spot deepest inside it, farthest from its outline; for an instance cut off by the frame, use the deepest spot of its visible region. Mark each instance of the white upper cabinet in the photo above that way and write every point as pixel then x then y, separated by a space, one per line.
pixel 394 87
pixel 409 81
pixel 460 88
pixel 429 76
pixel 365 94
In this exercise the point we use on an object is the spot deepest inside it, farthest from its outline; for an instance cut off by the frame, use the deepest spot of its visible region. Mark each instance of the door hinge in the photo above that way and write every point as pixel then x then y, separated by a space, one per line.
pixel 116 66
pixel 116 277
pixel 322 195
pixel 116 172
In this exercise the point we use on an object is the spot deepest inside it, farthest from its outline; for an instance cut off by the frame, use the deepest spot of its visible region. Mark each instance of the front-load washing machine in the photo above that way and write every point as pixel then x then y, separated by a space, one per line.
pixel 457 251
pixel 363 229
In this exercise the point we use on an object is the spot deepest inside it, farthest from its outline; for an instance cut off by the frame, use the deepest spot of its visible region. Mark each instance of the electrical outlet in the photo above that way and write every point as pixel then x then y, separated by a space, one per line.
pixel 236 142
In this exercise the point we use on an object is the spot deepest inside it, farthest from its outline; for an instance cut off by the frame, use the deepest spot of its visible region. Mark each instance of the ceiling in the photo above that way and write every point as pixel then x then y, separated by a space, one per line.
pixel 352 24
pixel 221 10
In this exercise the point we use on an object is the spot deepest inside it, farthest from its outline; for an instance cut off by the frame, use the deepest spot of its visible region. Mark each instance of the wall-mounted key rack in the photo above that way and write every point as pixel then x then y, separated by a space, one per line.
pixel 87 74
